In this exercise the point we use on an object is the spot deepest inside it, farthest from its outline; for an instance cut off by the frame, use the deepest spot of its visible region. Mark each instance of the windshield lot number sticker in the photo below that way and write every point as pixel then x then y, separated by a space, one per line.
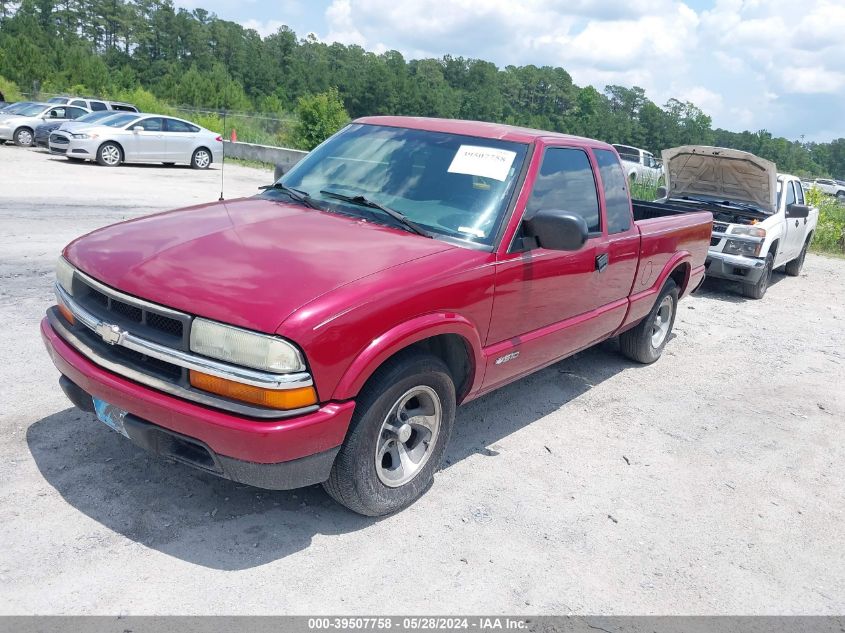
pixel 486 162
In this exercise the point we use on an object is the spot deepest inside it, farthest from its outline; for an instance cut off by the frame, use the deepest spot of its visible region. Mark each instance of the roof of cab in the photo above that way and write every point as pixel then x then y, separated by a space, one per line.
pixel 479 129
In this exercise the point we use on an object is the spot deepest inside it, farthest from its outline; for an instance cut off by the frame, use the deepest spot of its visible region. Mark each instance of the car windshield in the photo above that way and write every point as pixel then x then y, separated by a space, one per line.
pixel 94 116
pixel 453 186
pixel 33 109
pixel 119 120
pixel 13 108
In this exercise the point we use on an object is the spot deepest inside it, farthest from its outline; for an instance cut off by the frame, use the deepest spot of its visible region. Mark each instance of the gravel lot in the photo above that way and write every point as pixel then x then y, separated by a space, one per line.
pixel 712 482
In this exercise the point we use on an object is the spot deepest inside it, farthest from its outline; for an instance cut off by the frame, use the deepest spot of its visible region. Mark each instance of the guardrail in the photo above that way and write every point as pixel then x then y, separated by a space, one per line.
pixel 282 157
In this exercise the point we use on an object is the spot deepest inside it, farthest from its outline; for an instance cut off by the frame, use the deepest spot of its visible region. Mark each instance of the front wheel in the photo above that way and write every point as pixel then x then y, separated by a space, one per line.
pixel 758 290
pixel 646 341
pixel 397 437
pixel 201 159
pixel 109 155
pixel 24 137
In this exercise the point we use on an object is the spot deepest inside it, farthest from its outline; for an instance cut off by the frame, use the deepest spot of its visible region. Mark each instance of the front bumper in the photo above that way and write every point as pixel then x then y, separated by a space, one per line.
pixel 734 267
pixel 6 133
pixel 275 454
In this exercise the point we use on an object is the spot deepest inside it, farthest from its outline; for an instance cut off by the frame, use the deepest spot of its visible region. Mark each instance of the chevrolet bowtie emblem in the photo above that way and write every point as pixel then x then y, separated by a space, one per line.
pixel 111 334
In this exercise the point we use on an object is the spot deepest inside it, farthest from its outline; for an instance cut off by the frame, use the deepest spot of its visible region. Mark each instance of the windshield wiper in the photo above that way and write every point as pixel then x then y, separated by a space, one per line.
pixel 396 215
pixel 297 195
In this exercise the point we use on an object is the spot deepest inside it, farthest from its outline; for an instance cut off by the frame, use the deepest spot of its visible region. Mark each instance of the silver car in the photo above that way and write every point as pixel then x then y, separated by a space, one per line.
pixel 20 126
pixel 144 138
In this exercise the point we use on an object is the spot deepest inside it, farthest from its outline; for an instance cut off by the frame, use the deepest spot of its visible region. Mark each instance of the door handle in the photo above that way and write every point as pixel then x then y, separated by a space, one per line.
pixel 796 223
pixel 602 261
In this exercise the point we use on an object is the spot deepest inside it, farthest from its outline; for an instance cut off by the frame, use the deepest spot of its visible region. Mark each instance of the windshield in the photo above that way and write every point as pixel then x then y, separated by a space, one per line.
pixel 119 120
pixel 33 109
pixel 13 109
pixel 451 185
pixel 95 116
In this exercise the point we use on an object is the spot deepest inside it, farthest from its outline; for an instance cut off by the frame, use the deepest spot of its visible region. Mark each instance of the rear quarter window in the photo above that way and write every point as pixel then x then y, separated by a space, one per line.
pixel 615 187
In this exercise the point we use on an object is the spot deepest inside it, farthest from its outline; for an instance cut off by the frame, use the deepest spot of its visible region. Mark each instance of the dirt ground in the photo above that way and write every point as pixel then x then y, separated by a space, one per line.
pixel 712 482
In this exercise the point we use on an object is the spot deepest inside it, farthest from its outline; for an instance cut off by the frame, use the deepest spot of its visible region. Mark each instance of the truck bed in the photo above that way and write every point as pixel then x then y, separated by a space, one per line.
pixel 645 210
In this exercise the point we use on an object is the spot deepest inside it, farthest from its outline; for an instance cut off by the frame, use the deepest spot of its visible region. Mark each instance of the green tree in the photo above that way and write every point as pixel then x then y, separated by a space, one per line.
pixel 319 117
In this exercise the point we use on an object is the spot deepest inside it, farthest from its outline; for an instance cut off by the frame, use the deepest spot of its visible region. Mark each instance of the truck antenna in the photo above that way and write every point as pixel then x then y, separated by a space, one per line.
pixel 223 160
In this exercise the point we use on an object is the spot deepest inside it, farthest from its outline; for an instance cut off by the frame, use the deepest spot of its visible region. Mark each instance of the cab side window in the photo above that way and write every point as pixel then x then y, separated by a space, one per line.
pixel 799 193
pixel 566 183
pixel 615 187
pixel 790 193
pixel 98 106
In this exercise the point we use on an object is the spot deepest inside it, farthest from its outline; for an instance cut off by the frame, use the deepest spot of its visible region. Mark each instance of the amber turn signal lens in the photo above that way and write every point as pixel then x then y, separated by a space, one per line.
pixel 66 313
pixel 271 398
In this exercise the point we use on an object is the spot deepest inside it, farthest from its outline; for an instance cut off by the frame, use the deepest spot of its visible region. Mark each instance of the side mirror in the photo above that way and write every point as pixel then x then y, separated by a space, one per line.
pixel 138 128
pixel 557 230
pixel 797 211
pixel 662 192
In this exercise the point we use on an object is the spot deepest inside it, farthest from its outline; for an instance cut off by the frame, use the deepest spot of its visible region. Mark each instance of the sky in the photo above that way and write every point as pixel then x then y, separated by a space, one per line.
pixel 749 64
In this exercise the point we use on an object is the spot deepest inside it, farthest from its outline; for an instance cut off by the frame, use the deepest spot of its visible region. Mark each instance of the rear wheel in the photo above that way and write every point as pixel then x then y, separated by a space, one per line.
pixel 758 290
pixel 399 432
pixel 109 154
pixel 201 159
pixel 646 341
pixel 24 137
pixel 793 268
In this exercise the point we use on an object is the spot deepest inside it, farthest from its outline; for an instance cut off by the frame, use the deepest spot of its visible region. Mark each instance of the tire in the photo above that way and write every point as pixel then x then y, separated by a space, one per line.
pixel 24 137
pixel 758 290
pixel 793 268
pixel 646 341
pixel 201 158
pixel 374 486
pixel 109 154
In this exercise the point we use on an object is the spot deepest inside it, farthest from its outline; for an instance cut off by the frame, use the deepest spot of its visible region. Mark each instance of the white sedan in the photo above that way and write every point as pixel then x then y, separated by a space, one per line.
pixel 140 138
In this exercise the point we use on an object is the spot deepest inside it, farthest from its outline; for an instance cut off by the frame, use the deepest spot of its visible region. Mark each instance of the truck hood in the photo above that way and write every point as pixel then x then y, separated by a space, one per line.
pixel 727 174
pixel 249 262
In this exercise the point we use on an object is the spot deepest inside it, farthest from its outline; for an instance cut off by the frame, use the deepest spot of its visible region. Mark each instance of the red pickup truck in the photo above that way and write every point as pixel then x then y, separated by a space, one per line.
pixel 325 330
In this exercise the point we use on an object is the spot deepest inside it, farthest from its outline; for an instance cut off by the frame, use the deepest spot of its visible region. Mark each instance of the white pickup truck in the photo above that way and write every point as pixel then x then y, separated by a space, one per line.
pixel 830 187
pixel 639 165
pixel 760 218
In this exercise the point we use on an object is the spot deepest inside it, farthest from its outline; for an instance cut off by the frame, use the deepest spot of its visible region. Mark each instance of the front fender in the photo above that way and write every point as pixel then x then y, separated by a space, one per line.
pixel 404 335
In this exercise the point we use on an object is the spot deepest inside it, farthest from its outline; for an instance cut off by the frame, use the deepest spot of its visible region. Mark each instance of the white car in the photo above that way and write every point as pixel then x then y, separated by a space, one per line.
pixel 140 138
pixel 20 126
pixel 639 165
pixel 830 187
pixel 761 220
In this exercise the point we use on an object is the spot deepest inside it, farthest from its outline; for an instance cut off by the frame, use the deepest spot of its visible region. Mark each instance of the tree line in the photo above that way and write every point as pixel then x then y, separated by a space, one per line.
pixel 193 58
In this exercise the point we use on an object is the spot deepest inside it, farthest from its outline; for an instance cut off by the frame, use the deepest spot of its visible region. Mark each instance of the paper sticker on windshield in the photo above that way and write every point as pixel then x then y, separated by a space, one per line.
pixel 486 162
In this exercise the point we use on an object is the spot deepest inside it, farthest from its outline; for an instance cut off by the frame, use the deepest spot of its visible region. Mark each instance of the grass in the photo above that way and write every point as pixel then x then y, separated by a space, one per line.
pixel 644 190
pixel 829 238
pixel 245 162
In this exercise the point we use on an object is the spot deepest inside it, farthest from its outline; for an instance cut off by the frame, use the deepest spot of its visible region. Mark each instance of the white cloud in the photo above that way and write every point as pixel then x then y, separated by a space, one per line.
pixel 749 63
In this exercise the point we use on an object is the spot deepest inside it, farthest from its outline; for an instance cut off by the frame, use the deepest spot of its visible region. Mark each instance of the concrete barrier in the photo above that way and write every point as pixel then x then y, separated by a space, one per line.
pixel 282 157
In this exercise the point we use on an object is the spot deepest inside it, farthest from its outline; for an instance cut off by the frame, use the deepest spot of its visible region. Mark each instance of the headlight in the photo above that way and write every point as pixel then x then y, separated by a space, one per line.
pixel 751 231
pixel 64 275
pixel 242 347
pixel 737 247
pixel 83 136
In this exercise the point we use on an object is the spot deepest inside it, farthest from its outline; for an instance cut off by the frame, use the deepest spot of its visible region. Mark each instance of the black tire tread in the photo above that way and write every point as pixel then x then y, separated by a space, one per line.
pixel 756 291
pixel 636 342
pixel 340 484
pixel 793 268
